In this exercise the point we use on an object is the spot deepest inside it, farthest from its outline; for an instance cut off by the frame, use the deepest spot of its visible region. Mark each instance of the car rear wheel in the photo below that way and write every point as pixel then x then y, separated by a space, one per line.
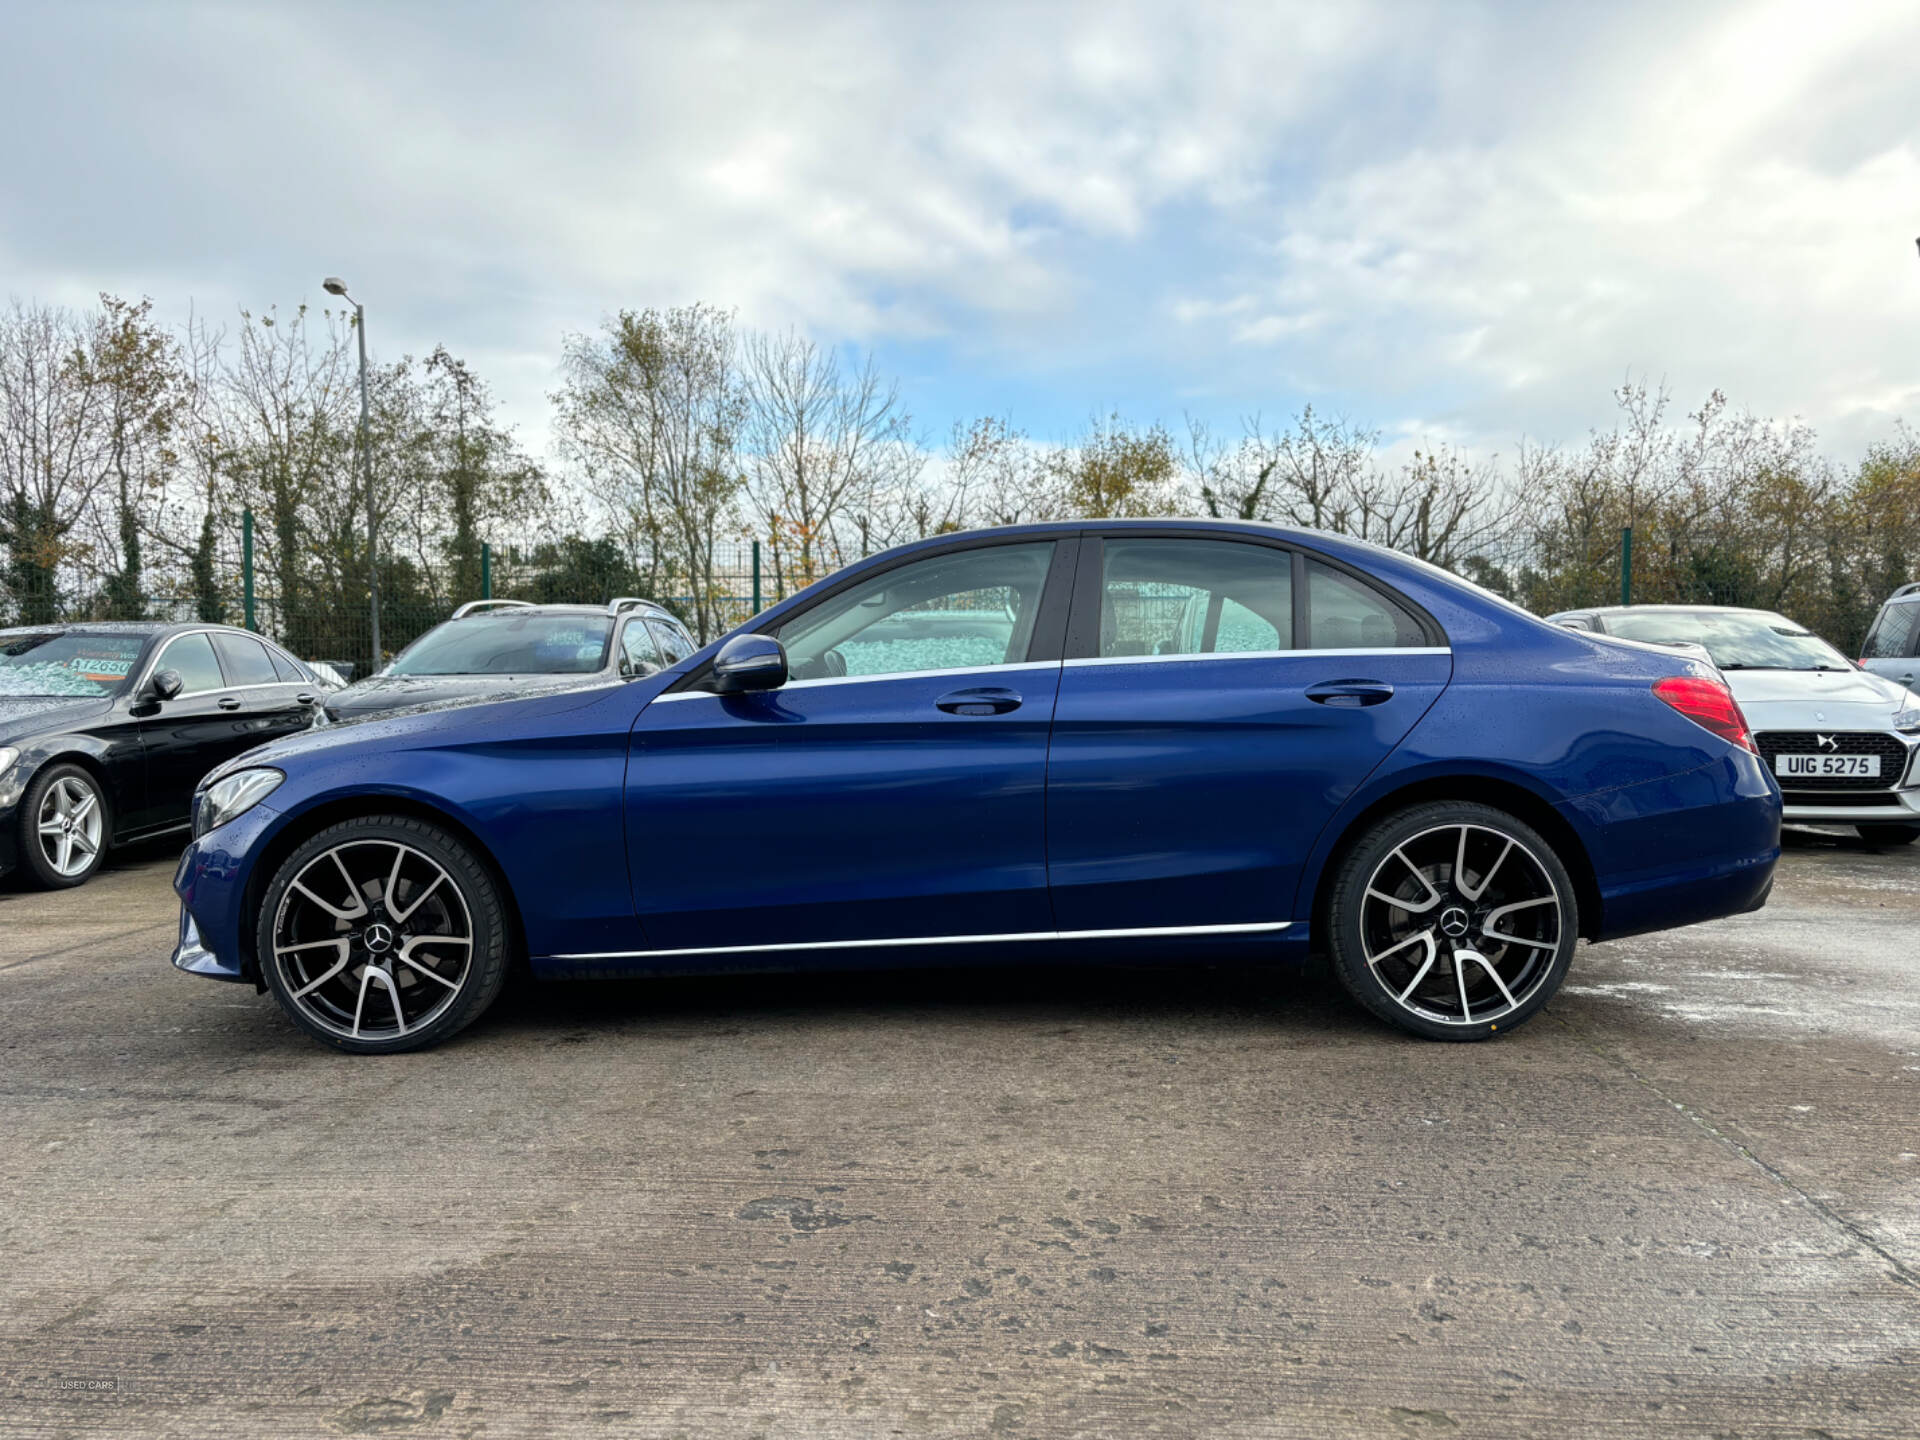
pixel 383 934
pixel 1452 920
pixel 1889 834
pixel 63 826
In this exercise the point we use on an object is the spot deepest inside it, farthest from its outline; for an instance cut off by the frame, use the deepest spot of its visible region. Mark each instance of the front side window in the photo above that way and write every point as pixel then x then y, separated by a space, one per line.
pixel 509 643
pixel 1346 614
pixel 1194 597
pixel 963 610
pixel 637 649
pixel 56 663
pixel 1892 635
pixel 675 644
pixel 191 657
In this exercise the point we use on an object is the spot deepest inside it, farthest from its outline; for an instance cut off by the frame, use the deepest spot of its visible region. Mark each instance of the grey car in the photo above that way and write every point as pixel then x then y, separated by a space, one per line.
pixel 494 647
pixel 1892 646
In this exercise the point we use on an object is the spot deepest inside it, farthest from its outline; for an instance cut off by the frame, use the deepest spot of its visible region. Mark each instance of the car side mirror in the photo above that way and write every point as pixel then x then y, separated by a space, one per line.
pixel 166 685
pixel 750 662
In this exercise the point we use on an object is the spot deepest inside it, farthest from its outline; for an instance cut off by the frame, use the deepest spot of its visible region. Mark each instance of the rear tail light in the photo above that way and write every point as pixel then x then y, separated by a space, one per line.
pixel 1709 704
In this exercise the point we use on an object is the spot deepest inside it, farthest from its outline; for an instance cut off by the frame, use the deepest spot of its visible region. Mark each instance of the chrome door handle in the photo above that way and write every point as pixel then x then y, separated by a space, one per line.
pixel 227 702
pixel 979 700
pixel 1350 694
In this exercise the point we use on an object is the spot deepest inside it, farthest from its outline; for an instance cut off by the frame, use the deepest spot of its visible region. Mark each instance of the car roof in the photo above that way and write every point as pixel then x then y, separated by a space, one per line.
pixel 1669 609
pixel 121 627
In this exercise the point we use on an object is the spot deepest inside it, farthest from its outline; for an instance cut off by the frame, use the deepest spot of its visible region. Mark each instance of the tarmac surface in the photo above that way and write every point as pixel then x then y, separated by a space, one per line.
pixel 1683 1202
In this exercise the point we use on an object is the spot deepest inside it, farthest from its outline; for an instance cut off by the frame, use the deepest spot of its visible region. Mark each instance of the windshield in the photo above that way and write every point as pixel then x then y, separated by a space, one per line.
pixel 56 663
pixel 1750 640
pixel 509 645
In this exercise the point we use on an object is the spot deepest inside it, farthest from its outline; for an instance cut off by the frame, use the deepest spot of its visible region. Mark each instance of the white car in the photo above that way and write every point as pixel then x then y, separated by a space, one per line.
pixel 1843 743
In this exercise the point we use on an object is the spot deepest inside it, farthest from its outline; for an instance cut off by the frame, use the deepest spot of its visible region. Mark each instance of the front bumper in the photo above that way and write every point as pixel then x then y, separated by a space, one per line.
pixel 1900 807
pixel 216 922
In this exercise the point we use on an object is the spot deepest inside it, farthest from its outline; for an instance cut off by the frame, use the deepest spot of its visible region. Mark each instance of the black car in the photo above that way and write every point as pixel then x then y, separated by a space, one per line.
pixel 105 730
pixel 504 647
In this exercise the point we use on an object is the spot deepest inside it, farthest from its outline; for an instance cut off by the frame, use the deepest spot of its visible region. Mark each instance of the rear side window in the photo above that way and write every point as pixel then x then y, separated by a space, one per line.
pixel 192 657
pixel 1893 633
pixel 1344 614
pixel 1194 597
pixel 244 660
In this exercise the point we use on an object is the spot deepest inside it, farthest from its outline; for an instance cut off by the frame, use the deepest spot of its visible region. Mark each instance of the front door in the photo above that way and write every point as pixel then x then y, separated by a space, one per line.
pixel 894 788
pixel 1220 700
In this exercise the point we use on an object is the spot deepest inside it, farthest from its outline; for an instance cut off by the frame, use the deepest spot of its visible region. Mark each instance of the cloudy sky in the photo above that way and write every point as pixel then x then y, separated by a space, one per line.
pixel 1454 220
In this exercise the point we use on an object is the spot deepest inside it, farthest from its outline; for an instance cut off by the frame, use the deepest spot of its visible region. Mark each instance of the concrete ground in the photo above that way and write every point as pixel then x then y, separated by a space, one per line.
pixel 1681 1203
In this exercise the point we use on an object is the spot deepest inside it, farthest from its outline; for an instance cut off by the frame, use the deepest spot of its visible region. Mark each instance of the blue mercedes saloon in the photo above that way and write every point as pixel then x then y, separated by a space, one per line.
pixel 1102 741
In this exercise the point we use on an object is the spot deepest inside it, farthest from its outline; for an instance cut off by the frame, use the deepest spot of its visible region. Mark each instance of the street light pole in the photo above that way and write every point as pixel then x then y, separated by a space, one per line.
pixel 335 286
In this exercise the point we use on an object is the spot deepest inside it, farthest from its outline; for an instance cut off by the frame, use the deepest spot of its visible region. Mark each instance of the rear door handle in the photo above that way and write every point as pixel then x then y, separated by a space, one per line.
pixel 227 702
pixel 980 700
pixel 304 698
pixel 1350 694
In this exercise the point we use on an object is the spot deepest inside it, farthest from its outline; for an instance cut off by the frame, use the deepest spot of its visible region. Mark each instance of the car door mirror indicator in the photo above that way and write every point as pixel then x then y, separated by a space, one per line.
pixel 750 662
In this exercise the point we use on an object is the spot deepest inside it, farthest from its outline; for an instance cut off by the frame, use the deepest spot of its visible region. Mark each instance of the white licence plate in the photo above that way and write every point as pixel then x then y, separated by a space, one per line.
pixel 1857 767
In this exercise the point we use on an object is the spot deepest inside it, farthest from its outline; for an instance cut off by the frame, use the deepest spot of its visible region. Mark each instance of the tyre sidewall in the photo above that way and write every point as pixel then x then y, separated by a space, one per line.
pixel 1348 954
pixel 486 972
pixel 36 863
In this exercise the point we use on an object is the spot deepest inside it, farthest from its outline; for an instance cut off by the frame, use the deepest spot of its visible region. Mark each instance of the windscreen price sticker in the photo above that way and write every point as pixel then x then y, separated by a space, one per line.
pixel 105 669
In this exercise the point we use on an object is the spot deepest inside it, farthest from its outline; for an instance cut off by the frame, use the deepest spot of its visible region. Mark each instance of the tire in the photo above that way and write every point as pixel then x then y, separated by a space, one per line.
pixel 1889 834
pixel 373 973
pixel 1519 921
pixel 68 796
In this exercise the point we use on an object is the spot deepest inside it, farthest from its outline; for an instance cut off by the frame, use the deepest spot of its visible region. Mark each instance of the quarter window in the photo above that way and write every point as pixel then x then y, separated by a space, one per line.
pixel 1194 597
pixel 967 609
pixel 192 657
pixel 1344 614
pixel 1892 635
pixel 245 661
pixel 284 667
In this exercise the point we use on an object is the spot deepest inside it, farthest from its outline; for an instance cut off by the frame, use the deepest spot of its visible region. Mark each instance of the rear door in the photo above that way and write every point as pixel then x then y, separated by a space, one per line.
pixel 270 705
pixel 1220 699
pixel 1892 647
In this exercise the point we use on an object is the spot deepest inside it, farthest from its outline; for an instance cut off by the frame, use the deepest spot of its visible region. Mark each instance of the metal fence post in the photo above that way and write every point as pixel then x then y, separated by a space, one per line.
pixel 486 571
pixel 1626 565
pixel 756 577
pixel 246 566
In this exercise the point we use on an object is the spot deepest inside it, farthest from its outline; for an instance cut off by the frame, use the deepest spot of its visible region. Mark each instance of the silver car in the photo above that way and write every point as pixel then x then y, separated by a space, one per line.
pixel 1892 646
pixel 1843 743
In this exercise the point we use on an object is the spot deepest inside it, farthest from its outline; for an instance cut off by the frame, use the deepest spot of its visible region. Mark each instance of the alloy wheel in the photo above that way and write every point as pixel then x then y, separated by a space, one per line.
pixel 69 826
pixel 373 940
pixel 1461 923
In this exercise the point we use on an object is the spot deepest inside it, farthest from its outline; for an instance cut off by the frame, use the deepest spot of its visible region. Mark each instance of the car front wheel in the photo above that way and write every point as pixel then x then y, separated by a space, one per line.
pixel 1452 920
pixel 63 826
pixel 383 934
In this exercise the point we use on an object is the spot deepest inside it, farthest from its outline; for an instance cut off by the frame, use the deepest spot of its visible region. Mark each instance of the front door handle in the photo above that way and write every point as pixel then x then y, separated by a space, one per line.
pixel 227 702
pixel 980 700
pixel 1350 694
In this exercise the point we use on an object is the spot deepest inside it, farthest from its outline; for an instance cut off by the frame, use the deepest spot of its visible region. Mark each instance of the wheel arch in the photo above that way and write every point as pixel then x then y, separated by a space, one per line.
pixel 307 823
pixel 1502 794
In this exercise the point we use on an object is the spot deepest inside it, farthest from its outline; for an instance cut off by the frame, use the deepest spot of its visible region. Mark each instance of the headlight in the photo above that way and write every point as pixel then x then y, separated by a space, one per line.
pixel 1907 721
pixel 235 795
pixel 7 756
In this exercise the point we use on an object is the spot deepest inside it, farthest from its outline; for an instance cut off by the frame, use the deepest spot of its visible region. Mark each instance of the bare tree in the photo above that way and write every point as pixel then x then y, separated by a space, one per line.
pixel 56 446
pixel 823 445
pixel 651 410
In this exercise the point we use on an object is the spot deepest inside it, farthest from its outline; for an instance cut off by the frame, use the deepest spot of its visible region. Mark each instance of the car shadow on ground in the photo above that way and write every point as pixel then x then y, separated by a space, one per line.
pixel 120 858
pixel 1305 996
pixel 1829 837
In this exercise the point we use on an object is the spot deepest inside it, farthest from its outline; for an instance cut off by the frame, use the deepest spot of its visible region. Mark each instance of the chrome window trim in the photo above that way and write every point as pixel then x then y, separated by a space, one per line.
pixel 1261 654
pixel 869 679
pixel 211 630
pixel 1262 927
